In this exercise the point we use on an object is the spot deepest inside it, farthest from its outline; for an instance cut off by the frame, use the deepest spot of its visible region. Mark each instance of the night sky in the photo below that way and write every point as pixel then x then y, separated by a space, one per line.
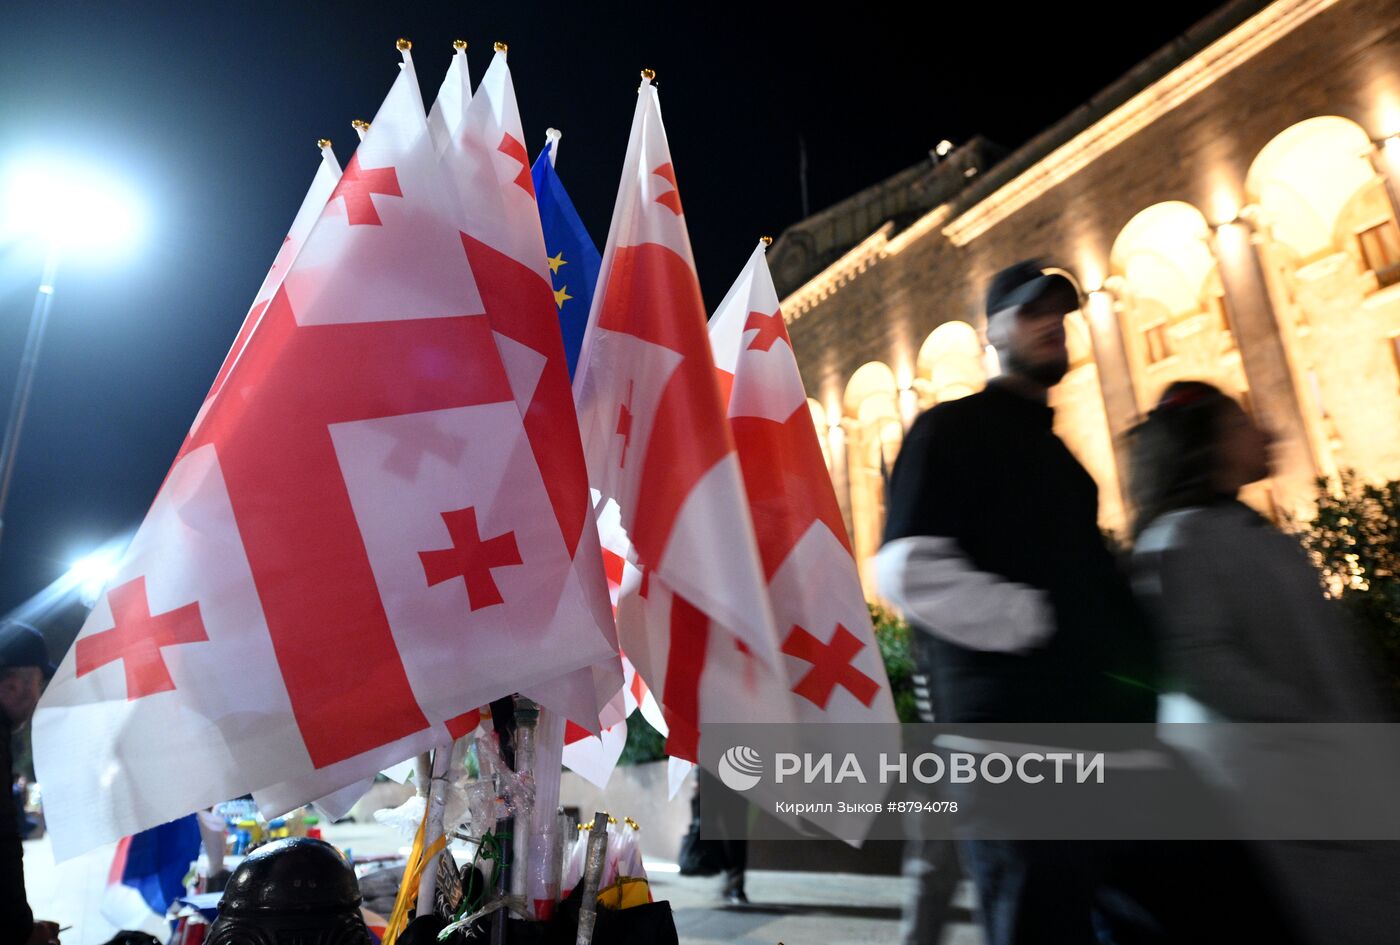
pixel 211 112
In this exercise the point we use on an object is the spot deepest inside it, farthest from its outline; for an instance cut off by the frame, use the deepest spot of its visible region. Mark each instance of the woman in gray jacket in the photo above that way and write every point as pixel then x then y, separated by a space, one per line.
pixel 1246 635
pixel 1244 625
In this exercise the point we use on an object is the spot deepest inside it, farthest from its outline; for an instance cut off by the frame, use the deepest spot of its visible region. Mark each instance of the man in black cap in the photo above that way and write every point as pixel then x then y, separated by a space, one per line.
pixel 992 542
pixel 992 548
pixel 24 666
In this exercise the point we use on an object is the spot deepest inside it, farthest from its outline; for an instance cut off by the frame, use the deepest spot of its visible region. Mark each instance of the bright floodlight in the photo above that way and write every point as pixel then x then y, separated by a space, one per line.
pixel 68 205
pixel 92 573
pixel 944 147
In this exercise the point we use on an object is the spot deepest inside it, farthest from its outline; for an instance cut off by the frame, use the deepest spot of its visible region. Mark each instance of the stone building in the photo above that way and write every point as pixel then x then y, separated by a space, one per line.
pixel 1228 210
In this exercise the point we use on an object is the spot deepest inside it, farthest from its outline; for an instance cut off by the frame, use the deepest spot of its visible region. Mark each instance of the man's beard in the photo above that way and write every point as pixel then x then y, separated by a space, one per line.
pixel 1045 373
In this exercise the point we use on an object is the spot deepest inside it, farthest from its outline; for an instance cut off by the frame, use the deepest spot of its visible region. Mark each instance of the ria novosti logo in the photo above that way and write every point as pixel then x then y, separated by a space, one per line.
pixel 740 768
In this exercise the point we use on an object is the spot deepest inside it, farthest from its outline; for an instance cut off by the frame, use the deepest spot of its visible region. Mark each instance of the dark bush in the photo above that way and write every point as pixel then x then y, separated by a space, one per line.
pixel 1354 539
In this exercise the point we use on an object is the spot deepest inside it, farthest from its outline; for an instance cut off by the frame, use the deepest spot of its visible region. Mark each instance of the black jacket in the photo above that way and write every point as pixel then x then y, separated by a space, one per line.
pixel 988 472
pixel 16 921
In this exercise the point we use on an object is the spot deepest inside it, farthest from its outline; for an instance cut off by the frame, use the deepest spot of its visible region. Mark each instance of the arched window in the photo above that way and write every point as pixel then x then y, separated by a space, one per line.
pixel 951 364
pixel 1330 246
pixel 1174 320
pixel 1322 202
pixel 874 434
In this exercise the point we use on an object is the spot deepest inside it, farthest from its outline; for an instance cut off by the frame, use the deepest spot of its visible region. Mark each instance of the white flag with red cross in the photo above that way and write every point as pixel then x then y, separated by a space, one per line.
pixel 654 431
pixel 595 756
pixel 487 161
pixel 322 185
pixel 348 553
pixel 636 693
pixel 832 664
pixel 832 670
pixel 445 117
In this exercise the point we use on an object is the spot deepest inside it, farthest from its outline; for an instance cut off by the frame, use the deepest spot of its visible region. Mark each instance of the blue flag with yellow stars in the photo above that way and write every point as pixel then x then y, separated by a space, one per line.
pixel 573 259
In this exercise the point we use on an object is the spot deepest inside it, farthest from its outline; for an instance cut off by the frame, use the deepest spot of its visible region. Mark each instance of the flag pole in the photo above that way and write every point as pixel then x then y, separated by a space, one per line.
pixel 544 854
pixel 551 142
pixel 436 800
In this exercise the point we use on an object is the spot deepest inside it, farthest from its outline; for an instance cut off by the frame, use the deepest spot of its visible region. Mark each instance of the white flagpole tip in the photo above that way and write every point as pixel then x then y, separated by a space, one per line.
pixel 460 45
pixel 324 144
pixel 766 240
pixel 502 47
pixel 361 126
pixel 551 143
pixel 403 45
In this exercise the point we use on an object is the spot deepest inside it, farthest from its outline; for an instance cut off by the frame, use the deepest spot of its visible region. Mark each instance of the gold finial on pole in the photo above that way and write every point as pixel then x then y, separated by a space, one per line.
pixel 403 45
pixel 766 240
pixel 460 45
pixel 361 126
pixel 649 74
pixel 323 143
pixel 502 47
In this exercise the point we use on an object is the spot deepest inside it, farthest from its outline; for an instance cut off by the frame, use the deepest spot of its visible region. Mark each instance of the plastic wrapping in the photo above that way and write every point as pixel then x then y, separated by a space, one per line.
pixel 609 874
pixel 527 715
pixel 563 850
pixel 628 859
pixel 545 839
pixel 405 818
pixel 593 863
pixel 469 805
pixel 573 869
pixel 517 791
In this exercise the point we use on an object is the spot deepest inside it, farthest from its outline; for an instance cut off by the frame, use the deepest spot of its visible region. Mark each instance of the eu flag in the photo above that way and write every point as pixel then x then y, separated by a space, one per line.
pixel 573 259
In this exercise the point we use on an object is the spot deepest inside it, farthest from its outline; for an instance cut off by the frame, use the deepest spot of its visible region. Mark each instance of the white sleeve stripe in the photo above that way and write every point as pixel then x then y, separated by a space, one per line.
pixel 936 586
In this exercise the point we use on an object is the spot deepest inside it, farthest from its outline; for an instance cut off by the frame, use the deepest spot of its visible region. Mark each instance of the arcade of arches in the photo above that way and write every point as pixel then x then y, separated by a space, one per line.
pixel 1306 274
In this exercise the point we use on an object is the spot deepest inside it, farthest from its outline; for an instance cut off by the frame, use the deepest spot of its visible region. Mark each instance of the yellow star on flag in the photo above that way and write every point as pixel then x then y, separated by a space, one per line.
pixel 561 296
pixel 556 261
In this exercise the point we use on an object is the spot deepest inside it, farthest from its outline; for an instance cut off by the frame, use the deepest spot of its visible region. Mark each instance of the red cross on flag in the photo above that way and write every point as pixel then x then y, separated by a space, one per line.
pixel 275 625
pixel 831 670
pixel 832 663
pixel 490 168
pixel 654 431
pixel 327 176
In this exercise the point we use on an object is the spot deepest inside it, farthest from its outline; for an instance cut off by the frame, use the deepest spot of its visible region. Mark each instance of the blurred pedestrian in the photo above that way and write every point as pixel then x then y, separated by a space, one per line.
pixel 24 667
pixel 724 848
pixel 1243 626
pixel 1246 635
pixel 993 551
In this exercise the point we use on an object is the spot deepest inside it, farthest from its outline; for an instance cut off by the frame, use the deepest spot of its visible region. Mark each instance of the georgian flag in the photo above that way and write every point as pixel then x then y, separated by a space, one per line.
pixel 655 435
pixel 832 669
pixel 487 161
pixel 832 664
pixel 354 547
pixel 322 185
pixel 445 117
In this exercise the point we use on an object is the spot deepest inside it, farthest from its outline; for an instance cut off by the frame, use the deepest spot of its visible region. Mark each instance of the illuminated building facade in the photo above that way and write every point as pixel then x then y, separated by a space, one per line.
pixel 1228 210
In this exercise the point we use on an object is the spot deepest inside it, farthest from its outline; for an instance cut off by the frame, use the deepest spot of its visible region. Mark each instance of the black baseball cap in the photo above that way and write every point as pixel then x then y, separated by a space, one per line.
pixel 1025 282
pixel 22 645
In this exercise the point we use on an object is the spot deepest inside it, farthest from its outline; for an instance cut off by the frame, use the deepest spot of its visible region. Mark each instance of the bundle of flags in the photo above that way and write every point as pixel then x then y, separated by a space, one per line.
pixel 455 453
